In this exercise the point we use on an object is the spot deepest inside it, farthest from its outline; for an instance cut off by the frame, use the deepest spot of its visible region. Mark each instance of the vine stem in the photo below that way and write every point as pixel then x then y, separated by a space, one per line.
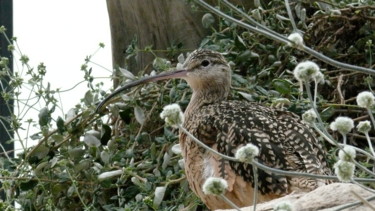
pixel 370 144
pixel 290 16
pixel 255 195
pixel 371 116
pixel 344 138
pixel 313 106
pixel 76 190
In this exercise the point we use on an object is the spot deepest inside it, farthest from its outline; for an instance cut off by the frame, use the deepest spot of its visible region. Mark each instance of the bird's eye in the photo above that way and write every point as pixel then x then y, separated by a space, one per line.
pixel 205 63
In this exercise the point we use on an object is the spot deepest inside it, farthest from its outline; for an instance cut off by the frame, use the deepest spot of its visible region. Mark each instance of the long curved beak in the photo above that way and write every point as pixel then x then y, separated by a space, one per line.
pixel 162 76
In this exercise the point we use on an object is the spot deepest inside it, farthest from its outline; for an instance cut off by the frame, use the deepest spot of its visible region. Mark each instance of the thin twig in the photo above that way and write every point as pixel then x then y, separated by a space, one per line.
pixel 313 106
pixel 364 201
pixel 228 201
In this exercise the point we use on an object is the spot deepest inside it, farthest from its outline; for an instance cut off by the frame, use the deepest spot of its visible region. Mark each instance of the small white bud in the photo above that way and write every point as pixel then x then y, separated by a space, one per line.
pixel 347 153
pixel 159 195
pixel 309 116
pixel 181 58
pixel 166 160
pixel 136 181
pixel 283 206
pixel 247 153
pixel 296 39
pixel 138 197
pixel 172 115
pixel 181 163
pixel 110 174
pixel 344 170
pixel 364 126
pixel 176 149
pixel 335 12
pixel 105 156
pixel 91 141
pixel 179 66
pixel 306 71
pixel 207 20
pixel 342 124
pixel 365 99
pixel 215 186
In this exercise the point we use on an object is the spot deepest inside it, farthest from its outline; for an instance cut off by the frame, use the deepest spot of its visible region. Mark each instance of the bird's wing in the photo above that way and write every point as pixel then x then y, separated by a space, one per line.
pixel 281 138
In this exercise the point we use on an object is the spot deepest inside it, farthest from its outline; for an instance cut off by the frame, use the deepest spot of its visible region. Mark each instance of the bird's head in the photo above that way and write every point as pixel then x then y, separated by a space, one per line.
pixel 206 71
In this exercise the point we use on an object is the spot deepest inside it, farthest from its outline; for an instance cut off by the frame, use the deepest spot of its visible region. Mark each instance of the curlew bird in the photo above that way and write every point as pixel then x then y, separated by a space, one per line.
pixel 283 140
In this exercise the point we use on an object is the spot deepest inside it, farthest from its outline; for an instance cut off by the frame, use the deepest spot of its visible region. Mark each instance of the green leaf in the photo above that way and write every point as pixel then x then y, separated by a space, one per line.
pixel 40 170
pixel 105 156
pixel 89 98
pixel 244 56
pixel 36 136
pixel 57 137
pixel 282 86
pixel 247 96
pixel 207 20
pixel 71 191
pixel 126 73
pixel 161 63
pixel 82 165
pixel 139 115
pixel 91 141
pixel 44 116
pixel 40 152
pixel 327 113
pixel 60 124
pixel 76 153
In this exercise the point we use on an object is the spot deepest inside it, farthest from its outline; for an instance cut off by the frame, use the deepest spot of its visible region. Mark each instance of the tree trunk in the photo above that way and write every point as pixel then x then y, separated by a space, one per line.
pixel 155 23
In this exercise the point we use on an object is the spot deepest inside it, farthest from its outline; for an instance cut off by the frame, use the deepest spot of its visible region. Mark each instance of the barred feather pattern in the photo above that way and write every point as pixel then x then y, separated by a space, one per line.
pixel 284 142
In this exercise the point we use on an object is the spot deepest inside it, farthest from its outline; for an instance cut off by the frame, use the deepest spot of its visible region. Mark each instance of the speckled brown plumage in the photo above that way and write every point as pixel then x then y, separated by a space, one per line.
pixel 284 141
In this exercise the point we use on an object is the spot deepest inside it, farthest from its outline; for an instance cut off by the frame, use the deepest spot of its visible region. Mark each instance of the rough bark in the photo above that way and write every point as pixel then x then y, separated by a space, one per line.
pixel 156 23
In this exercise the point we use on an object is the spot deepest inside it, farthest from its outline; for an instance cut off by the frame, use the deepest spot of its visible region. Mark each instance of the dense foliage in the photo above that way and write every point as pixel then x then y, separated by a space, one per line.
pixel 62 171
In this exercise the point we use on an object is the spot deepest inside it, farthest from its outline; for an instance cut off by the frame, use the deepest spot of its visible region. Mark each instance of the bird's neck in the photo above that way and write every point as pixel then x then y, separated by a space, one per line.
pixel 207 96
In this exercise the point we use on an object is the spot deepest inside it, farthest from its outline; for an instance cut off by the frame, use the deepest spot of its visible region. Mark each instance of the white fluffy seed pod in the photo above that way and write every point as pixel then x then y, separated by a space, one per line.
pixel 364 126
pixel 342 124
pixel 247 153
pixel 347 153
pixel 296 39
pixel 283 206
pixel 344 170
pixel 172 115
pixel 306 71
pixel 214 186
pixel 309 116
pixel 365 99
